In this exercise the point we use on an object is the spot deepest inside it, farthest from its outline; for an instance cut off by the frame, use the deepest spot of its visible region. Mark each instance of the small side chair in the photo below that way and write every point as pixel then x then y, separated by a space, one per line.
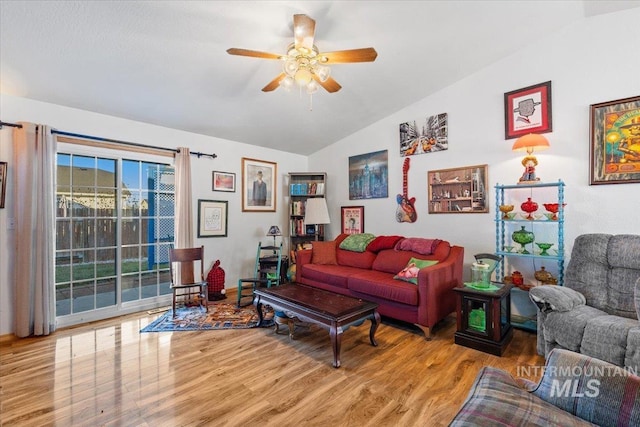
pixel 183 281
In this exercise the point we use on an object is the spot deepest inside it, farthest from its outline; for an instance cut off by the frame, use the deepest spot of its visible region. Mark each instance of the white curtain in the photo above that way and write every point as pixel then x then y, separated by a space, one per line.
pixel 184 210
pixel 34 151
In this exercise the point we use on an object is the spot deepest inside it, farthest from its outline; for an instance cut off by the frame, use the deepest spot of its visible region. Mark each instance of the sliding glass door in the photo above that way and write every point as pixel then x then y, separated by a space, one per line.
pixel 114 227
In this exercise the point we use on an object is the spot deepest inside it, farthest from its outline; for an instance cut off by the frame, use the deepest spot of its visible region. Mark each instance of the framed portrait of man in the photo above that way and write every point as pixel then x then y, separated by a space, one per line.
pixel 259 179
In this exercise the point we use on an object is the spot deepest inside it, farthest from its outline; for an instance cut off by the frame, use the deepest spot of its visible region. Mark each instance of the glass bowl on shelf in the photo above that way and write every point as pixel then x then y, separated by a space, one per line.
pixel 506 209
pixel 544 247
pixel 553 209
pixel 523 237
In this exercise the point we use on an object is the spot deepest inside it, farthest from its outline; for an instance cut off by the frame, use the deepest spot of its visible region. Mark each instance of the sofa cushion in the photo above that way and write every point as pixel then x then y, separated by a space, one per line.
pixel 624 263
pixel 362 260
pixel 410 272
pixel 335 275
pixel 324 253
pixel 382 285
pixel 604 268
pixel 605 338
pixel 496 399
pixel 392 261
pixel 383 242
pixel 632 355
pixel 636 298
pixel 419 245
pixel 567 327
pixel 357 242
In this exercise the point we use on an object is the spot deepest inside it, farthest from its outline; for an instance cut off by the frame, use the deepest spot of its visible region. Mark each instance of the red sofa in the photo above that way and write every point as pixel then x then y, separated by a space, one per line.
pixel 369 275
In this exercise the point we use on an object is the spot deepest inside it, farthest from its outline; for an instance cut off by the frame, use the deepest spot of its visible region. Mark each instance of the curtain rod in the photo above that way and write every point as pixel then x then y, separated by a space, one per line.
pixel 116 141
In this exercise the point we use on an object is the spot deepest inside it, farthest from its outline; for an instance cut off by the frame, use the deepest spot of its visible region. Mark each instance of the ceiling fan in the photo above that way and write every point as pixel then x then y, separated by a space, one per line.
pixel 304 64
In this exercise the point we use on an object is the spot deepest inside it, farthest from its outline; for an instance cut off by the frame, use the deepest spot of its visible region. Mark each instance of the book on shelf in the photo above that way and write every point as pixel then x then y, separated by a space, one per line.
pixel 297 207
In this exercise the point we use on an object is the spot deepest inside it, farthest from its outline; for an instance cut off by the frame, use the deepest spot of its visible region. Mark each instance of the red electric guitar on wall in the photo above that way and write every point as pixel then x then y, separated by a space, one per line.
pixel 406 211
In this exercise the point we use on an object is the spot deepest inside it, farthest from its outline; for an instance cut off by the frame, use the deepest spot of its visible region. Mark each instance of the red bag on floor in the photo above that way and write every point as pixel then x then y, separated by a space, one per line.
pixel 215 280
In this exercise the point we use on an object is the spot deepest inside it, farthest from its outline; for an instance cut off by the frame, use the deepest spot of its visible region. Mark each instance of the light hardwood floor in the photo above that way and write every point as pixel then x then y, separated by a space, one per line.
pixel 107 373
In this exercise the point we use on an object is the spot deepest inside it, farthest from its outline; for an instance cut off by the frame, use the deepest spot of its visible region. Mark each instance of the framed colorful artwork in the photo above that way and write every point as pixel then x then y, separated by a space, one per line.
pixel 258 185
pixel 426 135
pixel 458 190
pixel 528 110
pixel 212 218
pixel 352 219
pixel 615 142
pixel 368 176
pixel 224 181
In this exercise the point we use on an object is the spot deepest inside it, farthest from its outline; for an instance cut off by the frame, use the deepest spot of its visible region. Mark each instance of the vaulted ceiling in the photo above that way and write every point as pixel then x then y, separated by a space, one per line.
pixel 165 62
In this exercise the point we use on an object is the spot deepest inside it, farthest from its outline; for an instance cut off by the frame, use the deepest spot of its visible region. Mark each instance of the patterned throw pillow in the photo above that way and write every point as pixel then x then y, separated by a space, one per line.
pixel 357 242
pixel 410 272
pixel 324 253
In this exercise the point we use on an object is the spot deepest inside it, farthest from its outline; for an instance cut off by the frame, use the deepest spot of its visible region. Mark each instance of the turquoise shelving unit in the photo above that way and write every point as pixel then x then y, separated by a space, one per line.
pixel 516 195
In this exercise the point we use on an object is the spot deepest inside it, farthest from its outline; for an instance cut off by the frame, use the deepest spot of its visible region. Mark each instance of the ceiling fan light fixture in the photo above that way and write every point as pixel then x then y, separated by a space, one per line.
pixel 287 83
pixel 303 76
pixel 290 67
pixel 312 87
pixel 322 71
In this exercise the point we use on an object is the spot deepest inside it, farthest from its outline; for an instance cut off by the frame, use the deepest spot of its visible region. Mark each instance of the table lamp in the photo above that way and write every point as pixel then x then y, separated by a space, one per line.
pixel 528 143
pixel 274 231
pixel 316 212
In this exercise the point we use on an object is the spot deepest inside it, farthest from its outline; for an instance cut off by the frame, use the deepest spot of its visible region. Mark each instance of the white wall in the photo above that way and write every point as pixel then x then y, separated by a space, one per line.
pixel 589 62
pixel 236 252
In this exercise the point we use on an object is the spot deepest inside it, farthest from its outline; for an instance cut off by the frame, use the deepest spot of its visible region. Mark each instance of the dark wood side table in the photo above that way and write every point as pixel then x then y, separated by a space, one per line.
pixel 484 318
pixel 271 263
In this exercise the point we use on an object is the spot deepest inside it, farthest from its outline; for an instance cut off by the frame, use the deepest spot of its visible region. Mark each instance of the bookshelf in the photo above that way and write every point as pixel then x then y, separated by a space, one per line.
pixel 302 186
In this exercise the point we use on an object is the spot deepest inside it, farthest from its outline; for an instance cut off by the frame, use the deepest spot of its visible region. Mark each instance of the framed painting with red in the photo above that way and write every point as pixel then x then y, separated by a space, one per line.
pixel 528 110
pixel 352 219
pixel 615 142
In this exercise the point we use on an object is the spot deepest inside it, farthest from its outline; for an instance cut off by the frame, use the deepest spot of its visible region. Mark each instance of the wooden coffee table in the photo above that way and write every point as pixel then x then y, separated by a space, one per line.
pixel 327 309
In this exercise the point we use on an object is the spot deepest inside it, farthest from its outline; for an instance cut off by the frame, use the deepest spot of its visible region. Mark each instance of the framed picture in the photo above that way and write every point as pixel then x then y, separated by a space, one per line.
pixel 368 176
pixel 615 142
pixel 352 219
pixel 527 110
pixel 224 181
pixel 426 135
pixel 258 185
pixel 212 218
pixel 458 190
pixel 3 182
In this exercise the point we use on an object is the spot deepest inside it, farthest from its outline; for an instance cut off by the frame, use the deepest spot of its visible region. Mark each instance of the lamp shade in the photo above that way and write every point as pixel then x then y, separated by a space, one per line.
pixel 316 211
pixel 274 230
pixel 529 142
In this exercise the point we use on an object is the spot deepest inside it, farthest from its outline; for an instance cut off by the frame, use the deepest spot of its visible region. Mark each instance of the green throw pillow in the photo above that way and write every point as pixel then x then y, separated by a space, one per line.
pixel 357 242
pixel 410 272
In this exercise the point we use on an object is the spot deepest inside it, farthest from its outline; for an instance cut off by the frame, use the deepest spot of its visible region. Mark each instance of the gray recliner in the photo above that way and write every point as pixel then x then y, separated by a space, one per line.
pixel 596 311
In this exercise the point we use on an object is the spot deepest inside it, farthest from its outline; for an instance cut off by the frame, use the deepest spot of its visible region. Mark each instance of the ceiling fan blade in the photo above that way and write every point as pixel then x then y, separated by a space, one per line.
pixel 252 53
pixel 304 30
pixel 273 84
pixel 367 54
pixel 330 85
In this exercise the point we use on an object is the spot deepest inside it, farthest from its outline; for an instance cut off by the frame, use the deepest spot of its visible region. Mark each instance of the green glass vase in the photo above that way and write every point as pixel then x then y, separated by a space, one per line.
pixel 523 237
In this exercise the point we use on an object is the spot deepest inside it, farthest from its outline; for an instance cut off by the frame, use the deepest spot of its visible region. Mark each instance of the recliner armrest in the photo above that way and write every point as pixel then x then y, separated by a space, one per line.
pixel 556 298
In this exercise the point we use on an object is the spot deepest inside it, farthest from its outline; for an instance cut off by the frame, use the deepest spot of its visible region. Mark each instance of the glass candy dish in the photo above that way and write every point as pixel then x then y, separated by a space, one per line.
pixel 506 209
pixel 544 247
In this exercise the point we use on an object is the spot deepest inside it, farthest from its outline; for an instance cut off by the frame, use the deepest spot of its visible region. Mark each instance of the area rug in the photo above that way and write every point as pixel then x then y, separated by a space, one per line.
pixel 221 315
